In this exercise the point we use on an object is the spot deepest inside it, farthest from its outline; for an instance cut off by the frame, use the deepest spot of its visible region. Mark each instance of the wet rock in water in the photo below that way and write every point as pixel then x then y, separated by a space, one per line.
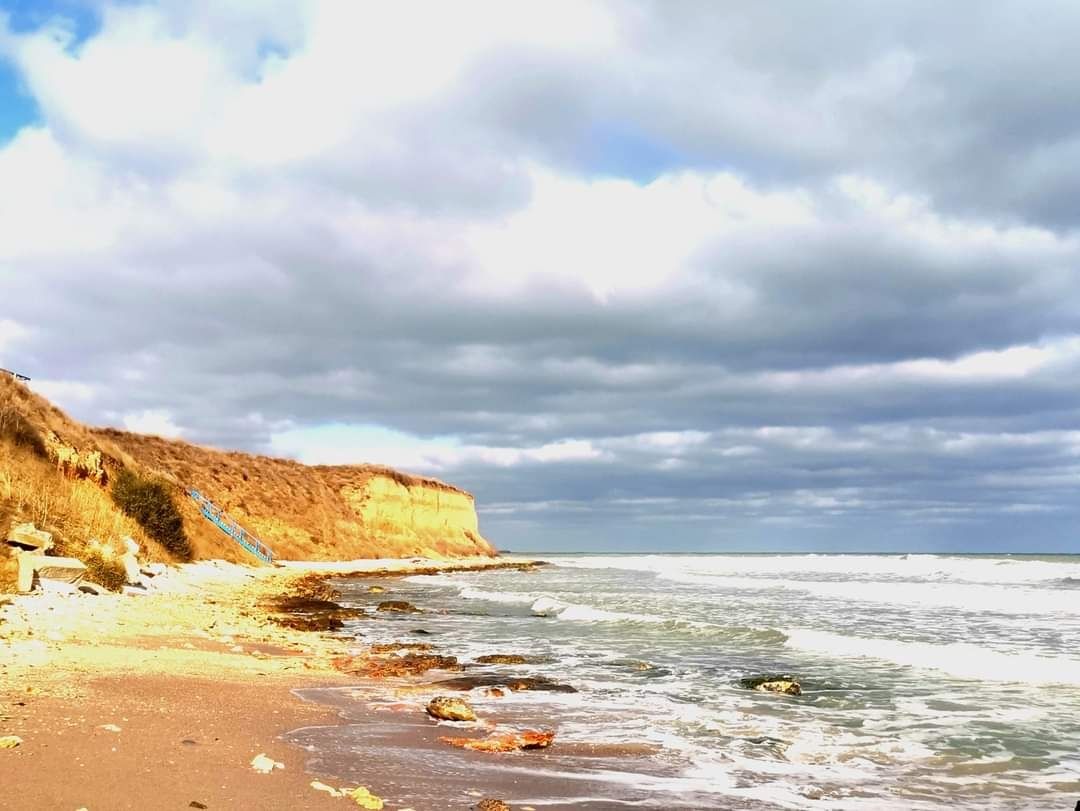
pixel 448 708
pixel 505 741
pixel 385 667
pixel 788 685
pixel 517 685
pixel 315 622
pixel 494 692
pixel 375 589
pixel 390 647
pixel 420 632
pixel 491 804
pixel 502 659
pixel 398 606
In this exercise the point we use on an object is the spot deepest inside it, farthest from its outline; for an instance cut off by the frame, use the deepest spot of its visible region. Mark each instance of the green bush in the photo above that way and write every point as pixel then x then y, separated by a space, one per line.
pixel 150 503
pixel 107 573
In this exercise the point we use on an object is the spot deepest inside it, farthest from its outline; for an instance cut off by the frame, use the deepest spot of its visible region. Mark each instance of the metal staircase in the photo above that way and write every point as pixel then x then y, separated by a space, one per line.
pixel 227 525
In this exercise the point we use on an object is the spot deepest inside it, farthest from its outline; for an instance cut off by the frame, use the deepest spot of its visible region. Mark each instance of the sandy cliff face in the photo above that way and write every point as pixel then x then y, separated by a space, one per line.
pixel 55 472
pixel 316 513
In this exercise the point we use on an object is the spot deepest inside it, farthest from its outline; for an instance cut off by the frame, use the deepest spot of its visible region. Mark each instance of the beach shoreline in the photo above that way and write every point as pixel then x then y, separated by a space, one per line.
pixel 120 700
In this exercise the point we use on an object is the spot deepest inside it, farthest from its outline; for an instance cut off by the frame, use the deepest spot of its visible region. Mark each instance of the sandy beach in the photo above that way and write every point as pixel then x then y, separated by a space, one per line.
pixel 163 700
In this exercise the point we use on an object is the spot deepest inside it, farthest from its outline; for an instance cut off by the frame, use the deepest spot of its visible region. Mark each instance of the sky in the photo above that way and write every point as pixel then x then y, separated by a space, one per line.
pixel 663 276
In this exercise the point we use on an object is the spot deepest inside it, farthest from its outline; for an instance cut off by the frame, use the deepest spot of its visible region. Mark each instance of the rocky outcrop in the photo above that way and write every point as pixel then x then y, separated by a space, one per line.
pixel 84 464
pixel 382 667
pixel 502 659
pixel 516 685
pixel 505 741
pixel 448 708
pixel 773 684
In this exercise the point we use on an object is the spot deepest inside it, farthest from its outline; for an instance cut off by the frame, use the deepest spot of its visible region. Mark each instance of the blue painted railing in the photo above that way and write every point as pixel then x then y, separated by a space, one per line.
pixel 227 525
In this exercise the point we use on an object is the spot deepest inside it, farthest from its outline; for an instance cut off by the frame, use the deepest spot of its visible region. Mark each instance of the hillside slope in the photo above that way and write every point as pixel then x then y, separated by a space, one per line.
pixel 57 473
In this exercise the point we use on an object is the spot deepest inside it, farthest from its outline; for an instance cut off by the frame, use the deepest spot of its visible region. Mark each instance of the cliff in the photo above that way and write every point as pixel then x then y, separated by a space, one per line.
pixel 314 512
pixel 56 473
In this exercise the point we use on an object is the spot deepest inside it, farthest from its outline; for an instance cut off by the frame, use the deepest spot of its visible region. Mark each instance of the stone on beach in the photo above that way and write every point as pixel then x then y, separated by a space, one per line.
pixel 30 538
pixel 390 647
pixel 384 667
pixel 398 606
pixel 517 685
pixel 448 708
pixel 491 804
pixel 505 741
pixel 502 659
pixel 786 685
pixel 365 799
pixel 10 741
pixel 264 765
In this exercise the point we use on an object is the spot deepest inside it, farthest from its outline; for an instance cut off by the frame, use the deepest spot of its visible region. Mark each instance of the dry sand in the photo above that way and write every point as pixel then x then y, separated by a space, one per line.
pixel 195 677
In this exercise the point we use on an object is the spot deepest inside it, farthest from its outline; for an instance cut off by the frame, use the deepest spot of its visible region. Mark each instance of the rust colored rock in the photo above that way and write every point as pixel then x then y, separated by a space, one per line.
pixel 390 647
pixel 448 708
pixel 494 692
pixel 502 659
pixel 505 741
pixel 314 622
pixel 398 606
pixel 389 666
pixel 517 685
pixel 787 685
pixel 491 804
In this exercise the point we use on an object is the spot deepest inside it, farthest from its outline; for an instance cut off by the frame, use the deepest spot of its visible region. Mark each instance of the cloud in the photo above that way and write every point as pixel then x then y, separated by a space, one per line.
pixel 742 273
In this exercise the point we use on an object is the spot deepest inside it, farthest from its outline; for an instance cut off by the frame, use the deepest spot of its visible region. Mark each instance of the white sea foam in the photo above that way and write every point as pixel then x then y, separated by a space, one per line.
pixel 550 607
pixel 960 660
pixel 507 598
pixel 929 567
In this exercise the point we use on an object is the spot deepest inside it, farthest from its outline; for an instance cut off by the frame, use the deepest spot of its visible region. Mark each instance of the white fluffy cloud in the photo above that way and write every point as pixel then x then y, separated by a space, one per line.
pixel 711 261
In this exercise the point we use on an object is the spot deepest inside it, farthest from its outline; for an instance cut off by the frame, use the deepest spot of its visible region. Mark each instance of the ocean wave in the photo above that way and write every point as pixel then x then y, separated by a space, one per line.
pixel 700 568
pixel 505 597
pixel 960 660
pixel 967 596
pixel 550 607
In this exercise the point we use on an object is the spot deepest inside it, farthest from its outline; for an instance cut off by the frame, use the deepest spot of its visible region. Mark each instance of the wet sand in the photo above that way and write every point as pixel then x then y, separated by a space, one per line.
pixel 198 680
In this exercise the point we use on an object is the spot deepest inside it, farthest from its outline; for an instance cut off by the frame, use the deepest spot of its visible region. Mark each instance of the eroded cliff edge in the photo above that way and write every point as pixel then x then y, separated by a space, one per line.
pixel 56 472
pixel 315 512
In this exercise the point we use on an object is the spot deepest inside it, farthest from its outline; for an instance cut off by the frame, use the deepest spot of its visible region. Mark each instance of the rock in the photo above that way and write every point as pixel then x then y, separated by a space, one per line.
pixel 197 804
pixel 494 692
pixel 390 647
pixel 31 539
pixel 110 727
pixel 365 799
pixel 505 741
pixel 264 765
pixel 333 792
pixel 398 606
pixel 448 708
pixel 412 664
pixel 787 685
pixel 42 567
pixel 314 622
pixel 502 659
pixel 10 741
pixel 375 589
pixel 420 632
pixel 491 804
pixel 517 685
pixel 130 561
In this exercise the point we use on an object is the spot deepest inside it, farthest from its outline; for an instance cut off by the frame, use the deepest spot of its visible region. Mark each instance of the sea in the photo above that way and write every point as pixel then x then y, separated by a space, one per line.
pixel 928 681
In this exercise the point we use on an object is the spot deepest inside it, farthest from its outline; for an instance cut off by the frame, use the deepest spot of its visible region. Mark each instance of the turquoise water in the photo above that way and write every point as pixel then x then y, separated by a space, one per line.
pixel 929 681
